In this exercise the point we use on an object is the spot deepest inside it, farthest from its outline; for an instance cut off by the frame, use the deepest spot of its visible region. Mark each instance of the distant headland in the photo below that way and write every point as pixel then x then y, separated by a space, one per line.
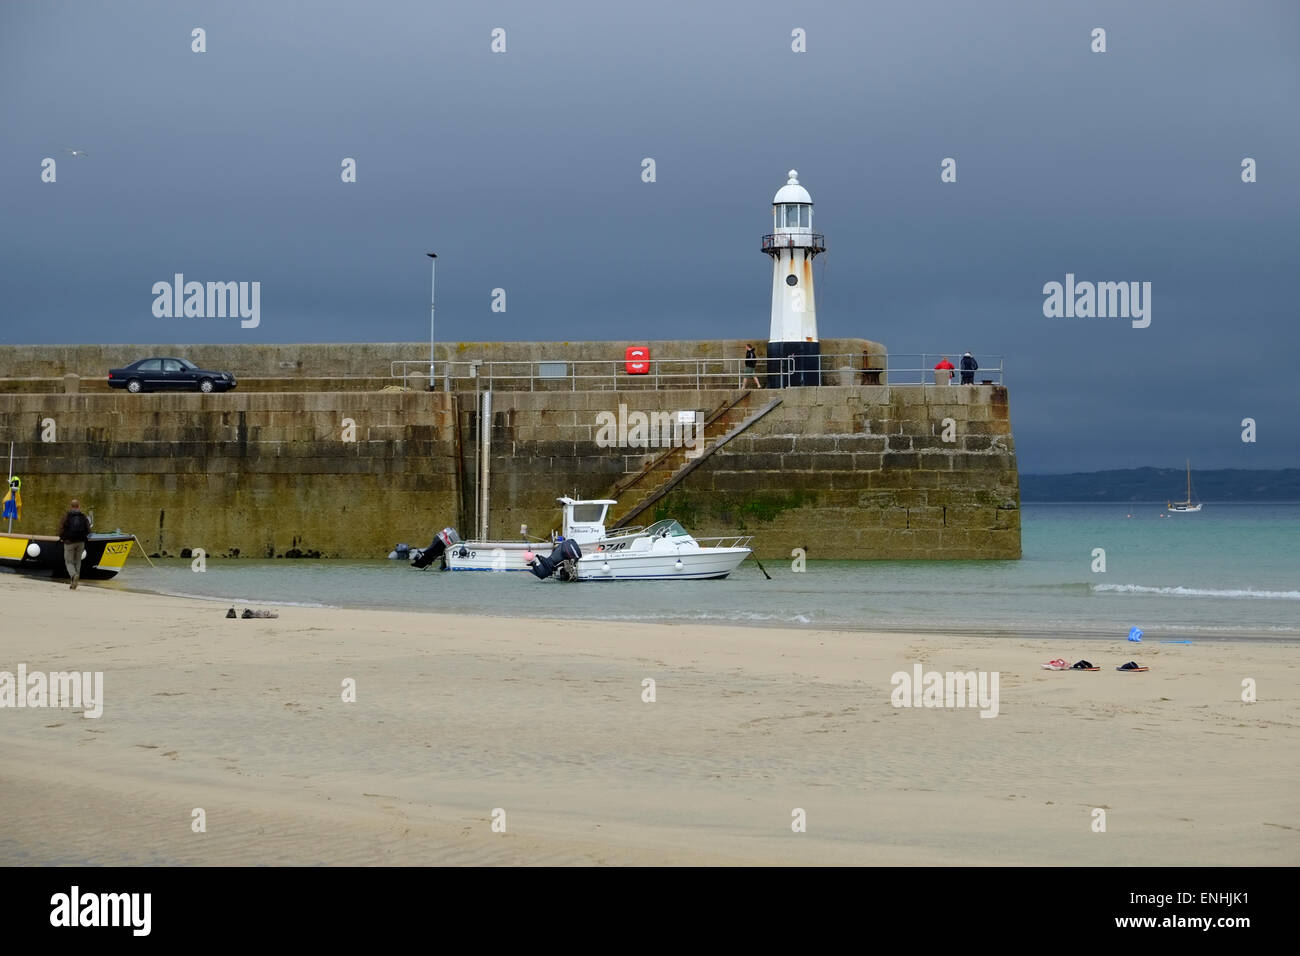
pixel 1159 484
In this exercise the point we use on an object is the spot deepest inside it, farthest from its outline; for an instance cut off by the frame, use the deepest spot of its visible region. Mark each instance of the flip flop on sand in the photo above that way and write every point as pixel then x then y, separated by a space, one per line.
pixel 1132 666
pixel 1084 666
pixel 1056 665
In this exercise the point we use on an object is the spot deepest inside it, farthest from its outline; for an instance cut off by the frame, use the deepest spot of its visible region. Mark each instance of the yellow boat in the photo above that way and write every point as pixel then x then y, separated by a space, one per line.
pixel 102 558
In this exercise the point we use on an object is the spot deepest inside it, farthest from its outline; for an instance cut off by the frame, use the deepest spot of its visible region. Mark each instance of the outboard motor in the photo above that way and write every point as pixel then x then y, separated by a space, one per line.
pixel 545 565
pixel 423 557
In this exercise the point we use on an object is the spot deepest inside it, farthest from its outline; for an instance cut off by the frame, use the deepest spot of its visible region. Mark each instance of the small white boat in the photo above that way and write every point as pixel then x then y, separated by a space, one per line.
pixel 1184 507
pixel 663 551
pixel 585 551
pixel 582 521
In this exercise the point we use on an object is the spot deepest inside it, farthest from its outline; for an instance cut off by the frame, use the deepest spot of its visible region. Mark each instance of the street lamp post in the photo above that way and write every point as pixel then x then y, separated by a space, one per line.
pixel 433 276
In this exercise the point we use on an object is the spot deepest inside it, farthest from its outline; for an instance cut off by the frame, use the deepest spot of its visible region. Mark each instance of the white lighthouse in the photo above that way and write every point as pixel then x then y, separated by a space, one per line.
pixel 792 246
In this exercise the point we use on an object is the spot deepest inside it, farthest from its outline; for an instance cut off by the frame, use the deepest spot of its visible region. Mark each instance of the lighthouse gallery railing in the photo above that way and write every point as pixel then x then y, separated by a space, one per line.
pixel 774 242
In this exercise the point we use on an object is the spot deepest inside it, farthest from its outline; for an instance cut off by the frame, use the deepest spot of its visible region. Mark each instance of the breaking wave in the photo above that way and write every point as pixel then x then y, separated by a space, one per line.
pixel 1199 592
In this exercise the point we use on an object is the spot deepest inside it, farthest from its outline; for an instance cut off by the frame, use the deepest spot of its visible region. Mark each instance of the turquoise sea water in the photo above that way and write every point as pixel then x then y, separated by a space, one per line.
pixel 1233 570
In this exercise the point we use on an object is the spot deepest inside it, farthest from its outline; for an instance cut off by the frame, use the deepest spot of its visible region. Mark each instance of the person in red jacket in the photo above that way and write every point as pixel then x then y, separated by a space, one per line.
pixel 945 366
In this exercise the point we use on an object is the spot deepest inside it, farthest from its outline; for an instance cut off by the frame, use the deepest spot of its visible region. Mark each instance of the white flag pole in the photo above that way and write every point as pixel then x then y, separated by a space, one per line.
pixel 8 475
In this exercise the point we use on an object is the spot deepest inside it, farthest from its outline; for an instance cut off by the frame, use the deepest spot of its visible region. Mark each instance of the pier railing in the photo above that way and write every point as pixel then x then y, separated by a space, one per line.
pixel 828 370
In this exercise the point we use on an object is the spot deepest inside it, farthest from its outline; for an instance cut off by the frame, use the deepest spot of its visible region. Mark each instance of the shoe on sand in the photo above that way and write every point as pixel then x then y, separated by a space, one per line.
pixel 1084 666
pixel 1132 666
pixel 1056 665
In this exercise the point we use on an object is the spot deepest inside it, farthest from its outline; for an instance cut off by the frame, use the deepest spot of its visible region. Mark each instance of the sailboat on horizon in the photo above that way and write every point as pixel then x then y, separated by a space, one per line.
pixel 1187 506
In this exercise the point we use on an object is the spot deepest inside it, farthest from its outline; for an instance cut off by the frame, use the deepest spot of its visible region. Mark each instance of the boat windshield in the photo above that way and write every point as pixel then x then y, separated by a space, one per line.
pixel 668 525
pixel 588 513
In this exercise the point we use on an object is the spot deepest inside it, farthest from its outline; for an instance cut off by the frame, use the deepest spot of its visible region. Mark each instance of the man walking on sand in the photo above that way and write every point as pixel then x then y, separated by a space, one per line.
pixel 73 533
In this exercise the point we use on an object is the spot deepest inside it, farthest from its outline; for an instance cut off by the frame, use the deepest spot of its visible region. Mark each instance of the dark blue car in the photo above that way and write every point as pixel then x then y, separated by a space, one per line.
pixel 169 374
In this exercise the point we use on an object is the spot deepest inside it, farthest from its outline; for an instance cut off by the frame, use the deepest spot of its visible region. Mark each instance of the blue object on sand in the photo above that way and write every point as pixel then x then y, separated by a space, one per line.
pixel 1175 642
pixel 1135 636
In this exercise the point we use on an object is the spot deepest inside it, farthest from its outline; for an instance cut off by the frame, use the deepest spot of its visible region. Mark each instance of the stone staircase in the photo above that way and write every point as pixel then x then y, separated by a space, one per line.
pixel 635 493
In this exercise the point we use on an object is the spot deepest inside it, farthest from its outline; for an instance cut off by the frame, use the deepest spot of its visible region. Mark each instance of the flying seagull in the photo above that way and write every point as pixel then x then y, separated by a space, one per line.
pixel 77 152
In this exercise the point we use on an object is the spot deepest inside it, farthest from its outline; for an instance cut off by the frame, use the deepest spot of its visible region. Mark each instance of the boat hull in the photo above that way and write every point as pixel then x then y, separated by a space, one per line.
pixel 509 555
pixel 700 564
pixel 490 555
pixel 103 557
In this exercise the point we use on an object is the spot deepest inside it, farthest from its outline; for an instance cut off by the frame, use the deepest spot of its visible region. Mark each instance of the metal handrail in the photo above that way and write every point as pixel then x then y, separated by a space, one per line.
pixel 631 531
pixel 734 540
pixel 408 364
pixel 590 374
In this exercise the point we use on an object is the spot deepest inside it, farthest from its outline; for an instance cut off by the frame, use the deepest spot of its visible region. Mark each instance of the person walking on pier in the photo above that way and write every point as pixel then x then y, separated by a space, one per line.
pixel 751 366
pixel 968 367
pixel 73 534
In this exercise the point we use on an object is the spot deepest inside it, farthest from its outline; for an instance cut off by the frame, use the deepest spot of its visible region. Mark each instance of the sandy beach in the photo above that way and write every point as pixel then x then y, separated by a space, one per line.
pixel 457 716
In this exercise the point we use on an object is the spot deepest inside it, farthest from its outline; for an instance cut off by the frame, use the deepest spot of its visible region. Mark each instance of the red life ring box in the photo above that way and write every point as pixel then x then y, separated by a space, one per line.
pixel 638 360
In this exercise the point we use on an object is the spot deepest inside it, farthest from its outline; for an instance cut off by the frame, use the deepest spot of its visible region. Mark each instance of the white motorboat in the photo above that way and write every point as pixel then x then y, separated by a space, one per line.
pixel 583 521
pixel 663 551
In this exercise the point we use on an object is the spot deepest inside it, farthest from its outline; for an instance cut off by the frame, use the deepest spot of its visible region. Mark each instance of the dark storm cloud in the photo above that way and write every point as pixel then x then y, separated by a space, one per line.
pixel 523 171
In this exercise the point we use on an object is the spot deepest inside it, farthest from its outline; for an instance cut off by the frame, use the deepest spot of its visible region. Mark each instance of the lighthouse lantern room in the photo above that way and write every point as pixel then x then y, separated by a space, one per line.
pixel 792 245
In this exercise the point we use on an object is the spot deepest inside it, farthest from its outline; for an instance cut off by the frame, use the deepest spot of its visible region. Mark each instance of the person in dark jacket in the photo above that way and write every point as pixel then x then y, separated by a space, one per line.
pixel 968 367
pixel 73 534
pixel 751 366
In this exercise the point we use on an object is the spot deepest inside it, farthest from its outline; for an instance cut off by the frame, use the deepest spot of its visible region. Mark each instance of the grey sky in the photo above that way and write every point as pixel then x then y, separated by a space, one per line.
pixel 523 171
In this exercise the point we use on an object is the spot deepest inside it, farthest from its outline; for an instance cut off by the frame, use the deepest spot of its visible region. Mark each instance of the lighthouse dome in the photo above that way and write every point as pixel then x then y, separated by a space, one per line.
pixel 792 192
